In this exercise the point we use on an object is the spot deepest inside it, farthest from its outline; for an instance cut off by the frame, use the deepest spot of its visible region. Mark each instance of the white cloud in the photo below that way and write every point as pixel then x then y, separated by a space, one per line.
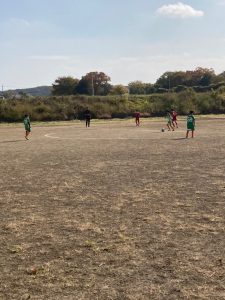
pixel 221 2
pixel 48 57
pixel 19 22
pixel 179 10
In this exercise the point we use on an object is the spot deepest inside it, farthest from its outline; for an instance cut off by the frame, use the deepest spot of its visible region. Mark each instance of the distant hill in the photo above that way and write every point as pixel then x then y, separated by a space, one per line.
pixel 36 91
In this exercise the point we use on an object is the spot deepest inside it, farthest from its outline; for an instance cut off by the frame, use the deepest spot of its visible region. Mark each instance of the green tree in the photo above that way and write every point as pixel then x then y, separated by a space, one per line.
pixel 137 88
pixel 171 79
pixel 198 77
pixel 23 94
pixel 149 88
pixel 84 87
pixel 8 94
pixel 64 86
pixel 94 83
pixel 119 90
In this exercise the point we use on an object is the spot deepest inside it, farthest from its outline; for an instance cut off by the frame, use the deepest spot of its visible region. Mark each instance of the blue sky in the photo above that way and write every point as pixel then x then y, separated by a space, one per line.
pixel 127 39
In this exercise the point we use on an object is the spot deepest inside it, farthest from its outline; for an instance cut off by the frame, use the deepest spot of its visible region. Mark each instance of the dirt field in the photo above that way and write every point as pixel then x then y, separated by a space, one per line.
pixel 112 212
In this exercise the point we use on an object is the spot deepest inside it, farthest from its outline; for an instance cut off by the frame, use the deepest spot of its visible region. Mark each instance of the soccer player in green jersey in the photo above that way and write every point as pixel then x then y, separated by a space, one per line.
pixel 190 124
pixel 26 123
pixel 169 121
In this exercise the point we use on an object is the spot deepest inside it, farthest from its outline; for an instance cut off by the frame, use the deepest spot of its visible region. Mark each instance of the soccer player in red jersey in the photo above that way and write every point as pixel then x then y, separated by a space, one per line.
pixel 174 118
pixel 137 118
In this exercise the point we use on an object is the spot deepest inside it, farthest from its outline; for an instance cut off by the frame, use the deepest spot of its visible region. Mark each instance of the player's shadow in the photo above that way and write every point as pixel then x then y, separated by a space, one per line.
pixel 179 139
pixel 15 141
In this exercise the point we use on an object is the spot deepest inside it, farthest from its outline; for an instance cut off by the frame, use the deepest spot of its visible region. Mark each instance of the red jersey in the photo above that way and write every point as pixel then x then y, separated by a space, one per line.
pixel 137 115
pixel 174 115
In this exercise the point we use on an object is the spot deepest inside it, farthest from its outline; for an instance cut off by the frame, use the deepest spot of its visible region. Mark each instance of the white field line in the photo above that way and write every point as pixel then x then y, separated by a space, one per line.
pixel 50 136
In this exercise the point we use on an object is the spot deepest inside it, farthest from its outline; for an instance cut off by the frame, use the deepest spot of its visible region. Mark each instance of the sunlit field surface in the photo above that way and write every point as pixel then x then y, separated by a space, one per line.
pixel 112 212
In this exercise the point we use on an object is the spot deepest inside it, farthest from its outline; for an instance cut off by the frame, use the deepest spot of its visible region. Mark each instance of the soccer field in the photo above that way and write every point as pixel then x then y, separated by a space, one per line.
pixel 112 212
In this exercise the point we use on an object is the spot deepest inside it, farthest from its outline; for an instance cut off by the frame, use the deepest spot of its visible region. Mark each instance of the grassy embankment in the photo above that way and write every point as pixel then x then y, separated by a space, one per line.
pixel 72 107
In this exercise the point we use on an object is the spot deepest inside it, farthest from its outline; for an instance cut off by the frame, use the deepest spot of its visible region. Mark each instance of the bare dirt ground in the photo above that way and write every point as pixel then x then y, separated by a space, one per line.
pixel 112 212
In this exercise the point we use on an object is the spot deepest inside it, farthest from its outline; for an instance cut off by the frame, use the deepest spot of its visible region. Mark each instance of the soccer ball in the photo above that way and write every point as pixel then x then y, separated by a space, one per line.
pixel 163 130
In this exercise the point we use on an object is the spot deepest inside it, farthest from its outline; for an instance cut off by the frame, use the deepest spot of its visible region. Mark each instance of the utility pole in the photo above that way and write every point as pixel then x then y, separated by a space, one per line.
pixel 92 82
pixel 169 83
pixel 2 91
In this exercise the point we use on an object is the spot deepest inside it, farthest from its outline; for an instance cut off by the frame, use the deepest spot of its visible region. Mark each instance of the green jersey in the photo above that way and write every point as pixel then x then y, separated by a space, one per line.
pixel 169 118
pixel 26 123
pixel 190 122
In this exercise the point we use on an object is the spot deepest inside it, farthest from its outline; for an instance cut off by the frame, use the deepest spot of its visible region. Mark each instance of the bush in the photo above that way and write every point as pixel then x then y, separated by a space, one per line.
pixel 162 90
pixel 180 88
pixel 106 107
pixel 105 117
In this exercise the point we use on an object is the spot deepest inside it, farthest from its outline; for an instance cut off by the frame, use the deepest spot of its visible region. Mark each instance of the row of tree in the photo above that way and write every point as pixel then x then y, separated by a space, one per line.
pixel 93 83
pixel 200 79
pixel 98 83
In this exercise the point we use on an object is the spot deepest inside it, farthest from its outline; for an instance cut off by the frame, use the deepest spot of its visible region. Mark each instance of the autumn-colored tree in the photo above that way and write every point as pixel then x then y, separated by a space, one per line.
pixel 200 76
pixel 219 78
